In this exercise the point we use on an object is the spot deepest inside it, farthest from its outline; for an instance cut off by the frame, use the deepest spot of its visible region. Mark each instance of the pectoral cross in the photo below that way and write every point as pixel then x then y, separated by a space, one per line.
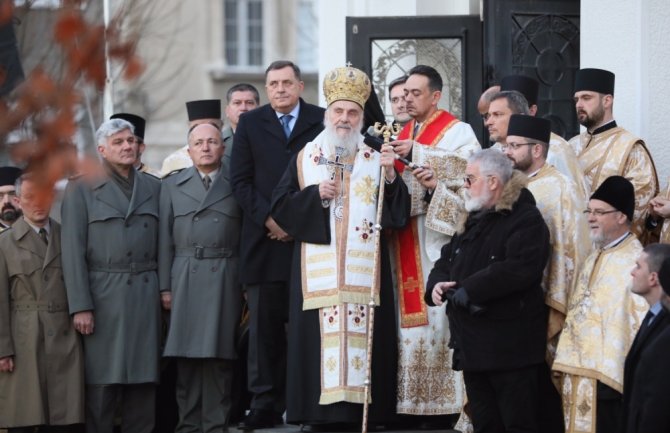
pixel 334 167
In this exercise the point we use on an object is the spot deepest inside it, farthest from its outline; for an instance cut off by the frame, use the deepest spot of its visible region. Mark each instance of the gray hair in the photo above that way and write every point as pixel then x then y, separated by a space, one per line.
pixel 493 162
pixel 515 101
pixel 111 127
pixel 19 182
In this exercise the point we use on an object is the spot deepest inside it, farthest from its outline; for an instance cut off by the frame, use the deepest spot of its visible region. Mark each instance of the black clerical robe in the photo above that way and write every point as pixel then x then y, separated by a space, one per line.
pixel 301 214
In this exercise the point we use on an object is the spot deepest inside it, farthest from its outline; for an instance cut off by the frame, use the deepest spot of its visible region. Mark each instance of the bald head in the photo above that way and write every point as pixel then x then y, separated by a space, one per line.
pixel 485 100
pixel 205 147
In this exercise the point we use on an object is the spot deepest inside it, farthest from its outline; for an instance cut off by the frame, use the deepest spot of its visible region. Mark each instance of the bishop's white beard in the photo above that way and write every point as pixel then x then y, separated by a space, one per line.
pixel 349 141
pixel 473 204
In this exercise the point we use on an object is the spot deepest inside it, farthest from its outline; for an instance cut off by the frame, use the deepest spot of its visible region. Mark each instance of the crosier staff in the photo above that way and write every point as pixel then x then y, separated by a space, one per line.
pixel 386 131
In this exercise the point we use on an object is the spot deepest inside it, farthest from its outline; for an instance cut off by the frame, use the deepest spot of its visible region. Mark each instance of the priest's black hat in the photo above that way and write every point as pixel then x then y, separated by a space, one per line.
pixel 137 122
pixel 619 192
pixel 534 128
pixel 8 175
pixel 204 109
pixel 527 86
pixel 595 80
pixel 664 275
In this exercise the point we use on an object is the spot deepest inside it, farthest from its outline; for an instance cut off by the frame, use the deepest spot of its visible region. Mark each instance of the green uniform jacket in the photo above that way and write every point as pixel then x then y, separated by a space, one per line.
pixel 198 263
pixel 47 384
pixel 109 262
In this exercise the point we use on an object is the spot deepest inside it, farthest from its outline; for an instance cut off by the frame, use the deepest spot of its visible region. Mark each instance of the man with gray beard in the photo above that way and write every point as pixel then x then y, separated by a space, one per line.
pixel 603 315
pixel 491 275
pixel 327 201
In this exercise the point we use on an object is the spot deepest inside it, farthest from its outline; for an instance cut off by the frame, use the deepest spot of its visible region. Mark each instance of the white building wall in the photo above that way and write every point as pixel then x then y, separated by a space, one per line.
pixel 629 38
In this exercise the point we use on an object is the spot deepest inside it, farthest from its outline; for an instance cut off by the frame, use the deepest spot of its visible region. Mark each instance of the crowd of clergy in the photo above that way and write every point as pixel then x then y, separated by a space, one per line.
pixel 317 267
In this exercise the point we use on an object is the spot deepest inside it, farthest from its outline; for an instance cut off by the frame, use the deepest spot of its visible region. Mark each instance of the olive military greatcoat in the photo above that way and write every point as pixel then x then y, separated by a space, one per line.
pixel 109 262
pixel 198 263
pixel 47 384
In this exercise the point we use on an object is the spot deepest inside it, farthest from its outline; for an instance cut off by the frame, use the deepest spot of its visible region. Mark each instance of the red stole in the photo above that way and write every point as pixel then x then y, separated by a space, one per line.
pixel 409 273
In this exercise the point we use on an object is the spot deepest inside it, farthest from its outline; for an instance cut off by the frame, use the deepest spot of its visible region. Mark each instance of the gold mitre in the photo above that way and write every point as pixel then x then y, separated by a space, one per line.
pixel 346 84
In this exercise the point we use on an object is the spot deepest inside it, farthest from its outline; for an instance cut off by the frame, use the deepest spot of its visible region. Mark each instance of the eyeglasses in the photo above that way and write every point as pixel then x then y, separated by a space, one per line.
pixel 599 212
pixel 516 146
pixel 470 179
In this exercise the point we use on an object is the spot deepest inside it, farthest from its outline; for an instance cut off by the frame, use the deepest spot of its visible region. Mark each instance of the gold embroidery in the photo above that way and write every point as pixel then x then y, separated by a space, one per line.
pixel 357 363
pixel 316 273
pixel 359 269
pixel 331 363
pixel 584 408
pixel 366 190
pixel 361 254
pixel 317 258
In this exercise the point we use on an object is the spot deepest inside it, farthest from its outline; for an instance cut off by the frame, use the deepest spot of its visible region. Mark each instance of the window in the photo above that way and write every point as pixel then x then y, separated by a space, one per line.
pixel 307 25
pixel 243 22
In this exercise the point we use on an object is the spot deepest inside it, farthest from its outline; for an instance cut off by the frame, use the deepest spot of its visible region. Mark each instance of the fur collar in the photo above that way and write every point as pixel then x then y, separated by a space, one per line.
pixel 510 195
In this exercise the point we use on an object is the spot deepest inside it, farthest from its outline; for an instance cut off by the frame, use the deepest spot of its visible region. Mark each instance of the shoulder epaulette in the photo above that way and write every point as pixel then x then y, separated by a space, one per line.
pixel 174 172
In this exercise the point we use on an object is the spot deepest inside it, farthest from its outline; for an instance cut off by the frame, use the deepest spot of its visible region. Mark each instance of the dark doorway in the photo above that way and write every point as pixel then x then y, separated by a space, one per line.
pixel 387 47
pixel 540 39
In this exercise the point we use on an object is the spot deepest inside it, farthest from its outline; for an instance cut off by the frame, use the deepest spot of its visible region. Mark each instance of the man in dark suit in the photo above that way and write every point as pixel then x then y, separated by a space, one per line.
pixel 265 140
pixel 646 384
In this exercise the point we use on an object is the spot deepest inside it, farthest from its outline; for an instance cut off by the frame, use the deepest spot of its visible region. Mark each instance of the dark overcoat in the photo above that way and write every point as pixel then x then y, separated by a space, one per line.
pixel 646 383
pixel 198 262
pixel 498 258
pixel 109 262
pixel 47 384
pixel 260 156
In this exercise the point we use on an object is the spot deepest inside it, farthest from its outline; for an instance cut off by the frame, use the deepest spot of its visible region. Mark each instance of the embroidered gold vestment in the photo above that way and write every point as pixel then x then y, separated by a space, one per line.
pixel 603 318
pixel 618 152
pixel 561 203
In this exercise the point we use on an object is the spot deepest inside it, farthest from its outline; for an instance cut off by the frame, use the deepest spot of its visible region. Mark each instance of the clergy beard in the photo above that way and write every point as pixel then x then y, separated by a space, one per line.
pixel 349 140
pixel 524 163
pixel 473 204
pixel 598 238
pixel 9 213
pixel 591 120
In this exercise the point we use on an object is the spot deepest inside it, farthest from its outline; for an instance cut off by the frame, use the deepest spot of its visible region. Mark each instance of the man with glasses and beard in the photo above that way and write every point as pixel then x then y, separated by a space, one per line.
pixel 606 149
pixel 327 201
pixel 491 274
pixel 10 210
pixel 603 315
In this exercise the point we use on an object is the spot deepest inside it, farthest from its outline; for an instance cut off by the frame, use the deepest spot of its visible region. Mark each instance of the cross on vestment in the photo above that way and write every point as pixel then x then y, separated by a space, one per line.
pixel 335 166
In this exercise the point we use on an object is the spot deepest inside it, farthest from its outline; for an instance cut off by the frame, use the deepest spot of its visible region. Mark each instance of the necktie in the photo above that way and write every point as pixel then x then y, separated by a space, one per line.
pixel 645 322
pixel 43 235
pixel 207 181
pixel 285 122
pixel 416 129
